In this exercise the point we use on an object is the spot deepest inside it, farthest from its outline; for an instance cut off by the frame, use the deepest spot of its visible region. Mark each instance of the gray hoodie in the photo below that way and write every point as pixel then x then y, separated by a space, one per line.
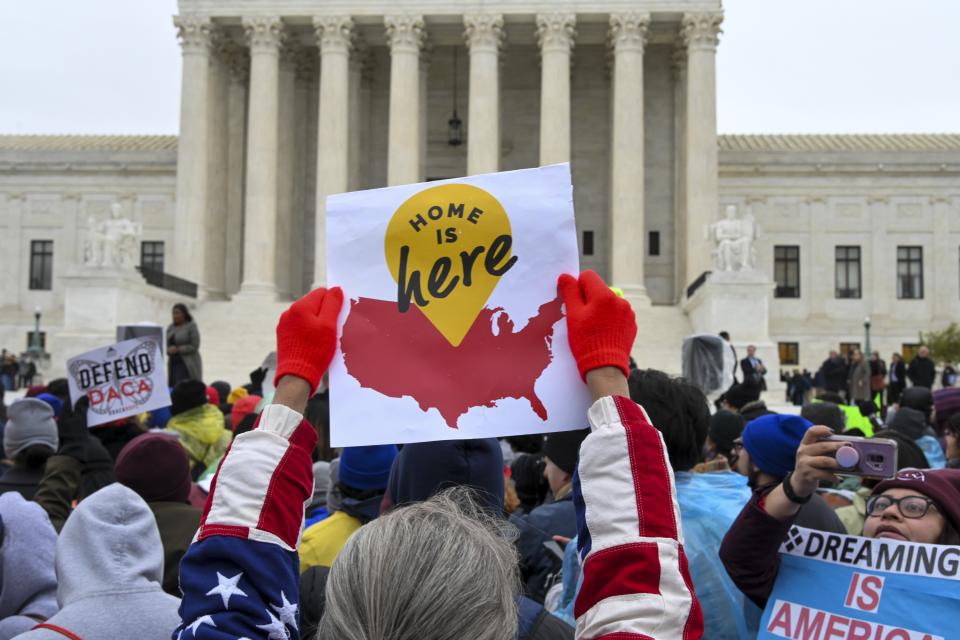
pixel 28 584
pixel 110 565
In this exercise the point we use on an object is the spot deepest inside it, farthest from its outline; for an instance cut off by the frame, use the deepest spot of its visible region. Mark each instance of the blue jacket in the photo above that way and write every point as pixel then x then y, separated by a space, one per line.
pixel 537 563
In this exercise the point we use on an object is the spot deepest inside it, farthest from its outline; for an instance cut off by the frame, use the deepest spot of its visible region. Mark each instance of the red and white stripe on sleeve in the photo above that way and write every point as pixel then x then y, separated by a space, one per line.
pixel 636 583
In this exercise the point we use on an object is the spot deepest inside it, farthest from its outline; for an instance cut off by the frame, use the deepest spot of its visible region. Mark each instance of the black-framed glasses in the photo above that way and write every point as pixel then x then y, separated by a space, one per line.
pixel 909 506
pixel 738 445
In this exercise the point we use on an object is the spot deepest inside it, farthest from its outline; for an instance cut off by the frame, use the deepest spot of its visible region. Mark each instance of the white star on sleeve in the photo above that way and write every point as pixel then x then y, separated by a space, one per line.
pixel 193 626
pixel 275 629
pixel 226 588
pixel 287 611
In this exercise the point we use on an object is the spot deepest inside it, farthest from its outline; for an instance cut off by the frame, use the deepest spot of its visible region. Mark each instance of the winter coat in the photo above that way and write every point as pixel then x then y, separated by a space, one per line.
pixel 186 338
pixel 109 565
pixel 28 584
pixel 177 523
pixel 912 424
pixel 201 433
pixel 859 387
pixel 323 541
pixel 22 480
pixel 115 437
pixel 537 563
pixel 834 374
pixel 922 372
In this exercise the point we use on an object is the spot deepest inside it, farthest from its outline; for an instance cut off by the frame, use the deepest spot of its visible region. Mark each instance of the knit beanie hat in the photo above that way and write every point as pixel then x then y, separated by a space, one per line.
pixel 725 427
pixel 740 395
pixel 223 389
pixel 243 406
pixel 919 398
pixel 947 403
pixel 155 465
pixel 29 422
pixel 55 403
pixel 236 394
pixel 941 485
pixel 213 396
pixel 772 442
pixel 367 468
pixel 34 390
pixel 563 448
pixel 187 395
pixel 826 413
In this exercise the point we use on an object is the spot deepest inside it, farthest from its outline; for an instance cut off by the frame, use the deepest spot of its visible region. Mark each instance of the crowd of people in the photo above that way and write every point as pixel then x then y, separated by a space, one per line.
pixel 228 515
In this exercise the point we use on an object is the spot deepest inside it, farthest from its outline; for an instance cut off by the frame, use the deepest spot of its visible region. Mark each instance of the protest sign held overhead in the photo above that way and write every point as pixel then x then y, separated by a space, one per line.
pixel 453 327
pixel 121 380
pixel 855 588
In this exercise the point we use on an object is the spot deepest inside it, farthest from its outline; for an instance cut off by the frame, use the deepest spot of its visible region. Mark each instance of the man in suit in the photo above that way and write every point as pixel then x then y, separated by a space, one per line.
pixel 753 369
pixel 921 370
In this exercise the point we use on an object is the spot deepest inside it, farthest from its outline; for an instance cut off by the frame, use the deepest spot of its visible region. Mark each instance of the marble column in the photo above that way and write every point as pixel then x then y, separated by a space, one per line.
pixel 239 64
pixel 285 171
pixel 215 255
pixel 405 35
pixel 484 35
pixel 628 35
pixel 679 76
pixel 555 33
pixel 426 54
pixel 700 32
pixel 266 35
pixel 305 138
pixel 358 123
pixel 189 244
pixel 334 34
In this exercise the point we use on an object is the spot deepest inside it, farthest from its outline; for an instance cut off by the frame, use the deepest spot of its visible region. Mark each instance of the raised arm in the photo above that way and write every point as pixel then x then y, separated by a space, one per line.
pixel 636 583
pixel 240 578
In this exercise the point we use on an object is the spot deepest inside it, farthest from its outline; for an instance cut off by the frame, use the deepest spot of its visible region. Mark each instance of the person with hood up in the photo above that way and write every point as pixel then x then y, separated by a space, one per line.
pixel 157 468
pixel 913 420
pixel 29 438
pixel 109 567
pixel 766 454
pixel 28 584
pixel 362 481
pixel 198 425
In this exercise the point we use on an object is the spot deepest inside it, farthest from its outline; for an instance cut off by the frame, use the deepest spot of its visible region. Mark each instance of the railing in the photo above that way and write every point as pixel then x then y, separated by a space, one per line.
pixel 168 282
pixel 696 284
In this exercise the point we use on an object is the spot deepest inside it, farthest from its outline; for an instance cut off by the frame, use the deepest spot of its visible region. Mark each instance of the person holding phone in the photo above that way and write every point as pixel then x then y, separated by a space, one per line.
pixel 915 506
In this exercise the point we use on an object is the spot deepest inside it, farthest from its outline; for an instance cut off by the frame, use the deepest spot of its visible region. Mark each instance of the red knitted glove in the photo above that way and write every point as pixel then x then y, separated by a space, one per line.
pixel 601 324
pixel 307 336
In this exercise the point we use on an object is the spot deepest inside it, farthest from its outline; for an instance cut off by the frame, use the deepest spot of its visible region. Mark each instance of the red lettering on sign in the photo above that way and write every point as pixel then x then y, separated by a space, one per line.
pixel 859 630
pixel 836 627
pixel 144 386
pixel 808 629
pixel 95 396
pixel 864 593
pixel 781 619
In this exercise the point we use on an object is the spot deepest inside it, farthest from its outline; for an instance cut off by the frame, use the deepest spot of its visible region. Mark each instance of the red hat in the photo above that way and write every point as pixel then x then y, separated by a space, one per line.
pixel 242 407
pixel 213 396
pixel 155 465
pixel 941 485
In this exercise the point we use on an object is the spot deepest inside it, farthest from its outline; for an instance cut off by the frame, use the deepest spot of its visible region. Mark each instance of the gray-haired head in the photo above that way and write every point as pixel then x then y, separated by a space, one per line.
pixel 443 569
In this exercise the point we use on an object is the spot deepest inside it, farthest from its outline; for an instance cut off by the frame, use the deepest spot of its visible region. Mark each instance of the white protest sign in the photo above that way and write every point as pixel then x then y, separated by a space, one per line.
pixel 452 326
pixel 121 380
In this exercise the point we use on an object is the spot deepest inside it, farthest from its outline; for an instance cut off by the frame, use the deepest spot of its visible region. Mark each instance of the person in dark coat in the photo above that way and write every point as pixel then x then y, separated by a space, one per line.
pixel 156 467
pixel 921 372
pixel 114 436
pixel 834 370
pixel 753 369
pixel 183 348
pixel 29 438
pixel 898 379
pixel 555 518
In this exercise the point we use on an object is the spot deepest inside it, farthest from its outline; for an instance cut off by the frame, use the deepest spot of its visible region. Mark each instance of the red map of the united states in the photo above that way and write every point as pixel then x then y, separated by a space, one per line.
pixel 402 354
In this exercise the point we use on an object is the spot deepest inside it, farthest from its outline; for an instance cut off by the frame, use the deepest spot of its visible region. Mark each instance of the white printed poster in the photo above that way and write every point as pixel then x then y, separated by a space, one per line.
pixel 452 326
pixel 121 380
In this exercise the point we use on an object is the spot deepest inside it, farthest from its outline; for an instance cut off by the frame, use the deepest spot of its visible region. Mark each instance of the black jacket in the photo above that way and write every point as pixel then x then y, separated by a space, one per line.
pixel 22 480
pixel 834 374
pixel 922 372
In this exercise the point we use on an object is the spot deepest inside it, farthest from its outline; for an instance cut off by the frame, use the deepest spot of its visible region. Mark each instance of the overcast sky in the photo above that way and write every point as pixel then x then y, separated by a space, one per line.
pixel 784 66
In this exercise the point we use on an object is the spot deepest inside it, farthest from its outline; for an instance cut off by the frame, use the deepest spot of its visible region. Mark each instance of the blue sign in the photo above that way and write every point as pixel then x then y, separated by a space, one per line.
pixel 838 587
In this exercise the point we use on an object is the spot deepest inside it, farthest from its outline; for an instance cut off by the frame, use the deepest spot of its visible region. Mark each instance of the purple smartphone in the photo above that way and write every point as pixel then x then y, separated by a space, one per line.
pixel 866 457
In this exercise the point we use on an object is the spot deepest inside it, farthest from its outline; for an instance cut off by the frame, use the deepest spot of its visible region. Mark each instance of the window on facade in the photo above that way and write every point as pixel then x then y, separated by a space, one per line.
pixel 910 273
pixel 846 348
pixel 653 243
pixel 588 243
pixel 151 256
pixel 908 350
pixel 848 272
pixel 789 352
pixel 786 271
pixel 41 265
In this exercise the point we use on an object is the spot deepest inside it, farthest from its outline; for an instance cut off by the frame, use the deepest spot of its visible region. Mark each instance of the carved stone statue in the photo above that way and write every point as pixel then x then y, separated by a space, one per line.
pixel 113 242
pixel 734 237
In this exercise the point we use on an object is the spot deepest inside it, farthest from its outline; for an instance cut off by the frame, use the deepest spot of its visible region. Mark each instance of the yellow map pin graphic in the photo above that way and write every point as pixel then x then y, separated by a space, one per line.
pixel 447 248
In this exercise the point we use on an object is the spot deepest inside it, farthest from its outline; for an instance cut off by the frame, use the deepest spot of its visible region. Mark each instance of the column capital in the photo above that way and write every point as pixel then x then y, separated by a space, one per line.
pixel 405 32
pixel 264 33
pixel 701 29
pixel 334 33
pixel 628 31
pixel 556 31
pixel 483 31
pixel 196 33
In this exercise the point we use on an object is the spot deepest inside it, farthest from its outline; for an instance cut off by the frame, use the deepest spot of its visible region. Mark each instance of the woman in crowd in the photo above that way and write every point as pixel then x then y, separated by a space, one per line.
pixel 915 506
pixel 240 578
pixel 183 348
